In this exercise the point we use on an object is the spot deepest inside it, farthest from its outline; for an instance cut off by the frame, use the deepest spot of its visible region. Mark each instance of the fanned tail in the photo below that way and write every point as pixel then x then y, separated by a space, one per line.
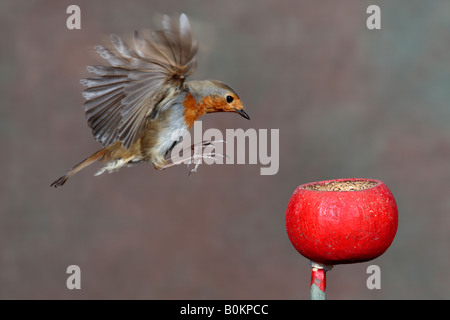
pixel 83 164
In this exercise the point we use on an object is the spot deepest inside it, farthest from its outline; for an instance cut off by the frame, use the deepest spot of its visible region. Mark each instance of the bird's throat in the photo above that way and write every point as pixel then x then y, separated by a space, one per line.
pixel 194 109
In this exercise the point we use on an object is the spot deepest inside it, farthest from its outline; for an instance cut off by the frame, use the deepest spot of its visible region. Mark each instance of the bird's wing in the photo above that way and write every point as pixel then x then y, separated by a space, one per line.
pixel 121 96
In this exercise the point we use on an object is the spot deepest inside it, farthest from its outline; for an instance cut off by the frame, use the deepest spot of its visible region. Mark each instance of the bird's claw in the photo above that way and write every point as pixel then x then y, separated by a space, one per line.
pixel 198 156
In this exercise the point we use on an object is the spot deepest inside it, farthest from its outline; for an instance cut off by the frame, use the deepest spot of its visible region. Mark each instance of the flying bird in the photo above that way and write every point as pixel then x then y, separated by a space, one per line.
pixel 134 104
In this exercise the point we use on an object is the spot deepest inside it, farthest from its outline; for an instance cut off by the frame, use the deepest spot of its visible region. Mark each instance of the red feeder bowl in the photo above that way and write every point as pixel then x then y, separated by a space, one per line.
pixel 342 221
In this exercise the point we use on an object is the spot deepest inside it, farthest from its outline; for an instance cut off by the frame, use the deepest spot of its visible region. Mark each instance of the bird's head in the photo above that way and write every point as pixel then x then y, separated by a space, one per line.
pixel 232 103
pixel 219 97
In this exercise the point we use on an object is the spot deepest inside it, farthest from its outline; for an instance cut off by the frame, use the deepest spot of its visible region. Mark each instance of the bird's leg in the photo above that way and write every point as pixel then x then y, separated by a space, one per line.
pixel 208 155
pixel 196 158
pixel 198 155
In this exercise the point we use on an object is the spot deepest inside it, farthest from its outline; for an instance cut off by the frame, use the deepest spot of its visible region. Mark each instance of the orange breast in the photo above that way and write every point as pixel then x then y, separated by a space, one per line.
pixel 192 110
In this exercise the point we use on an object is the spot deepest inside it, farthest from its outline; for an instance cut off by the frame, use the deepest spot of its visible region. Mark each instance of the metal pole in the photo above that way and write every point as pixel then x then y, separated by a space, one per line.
pixel 318 280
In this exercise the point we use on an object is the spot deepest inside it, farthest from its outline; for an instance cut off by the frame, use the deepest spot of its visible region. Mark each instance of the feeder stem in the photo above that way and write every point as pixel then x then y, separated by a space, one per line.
pixel 318 280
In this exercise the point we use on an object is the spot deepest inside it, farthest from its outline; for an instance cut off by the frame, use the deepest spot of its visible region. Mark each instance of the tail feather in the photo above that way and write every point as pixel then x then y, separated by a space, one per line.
pixel 83 164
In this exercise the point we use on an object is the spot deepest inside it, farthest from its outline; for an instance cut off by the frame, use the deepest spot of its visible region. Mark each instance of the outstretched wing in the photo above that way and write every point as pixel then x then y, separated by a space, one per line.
pixel 121 96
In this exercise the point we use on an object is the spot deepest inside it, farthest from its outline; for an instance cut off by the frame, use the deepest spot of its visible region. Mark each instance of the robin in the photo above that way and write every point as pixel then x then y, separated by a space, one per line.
pixel 135 104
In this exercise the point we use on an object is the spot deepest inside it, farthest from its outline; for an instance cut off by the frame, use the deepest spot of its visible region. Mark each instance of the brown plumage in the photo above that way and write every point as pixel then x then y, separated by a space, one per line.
pixel 134 104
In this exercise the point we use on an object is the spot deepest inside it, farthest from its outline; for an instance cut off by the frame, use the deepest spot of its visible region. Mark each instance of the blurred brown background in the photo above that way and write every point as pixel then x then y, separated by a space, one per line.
pixel 349 102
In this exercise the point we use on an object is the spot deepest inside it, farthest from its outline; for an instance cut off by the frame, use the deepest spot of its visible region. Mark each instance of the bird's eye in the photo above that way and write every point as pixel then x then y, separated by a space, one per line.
pixel 230 99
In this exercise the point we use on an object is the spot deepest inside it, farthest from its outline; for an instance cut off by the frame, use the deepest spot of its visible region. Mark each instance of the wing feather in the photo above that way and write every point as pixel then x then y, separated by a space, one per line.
pixel 122 95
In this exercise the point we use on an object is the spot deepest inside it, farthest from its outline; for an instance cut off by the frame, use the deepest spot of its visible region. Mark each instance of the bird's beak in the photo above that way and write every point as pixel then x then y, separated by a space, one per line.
pixel 242 113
